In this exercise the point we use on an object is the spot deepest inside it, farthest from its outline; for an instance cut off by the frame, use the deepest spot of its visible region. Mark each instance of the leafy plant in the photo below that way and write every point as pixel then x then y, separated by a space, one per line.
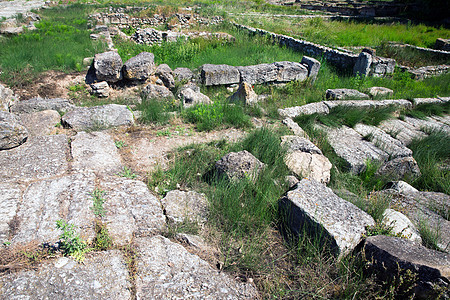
pixel 128 173
pixel 120 144
pixel 103 240
pixel 98 201
pixel 70 243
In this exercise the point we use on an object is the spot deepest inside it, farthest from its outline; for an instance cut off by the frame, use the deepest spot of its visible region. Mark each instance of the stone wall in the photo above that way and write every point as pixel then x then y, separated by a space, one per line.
pixel 428 71
pixel 346 61
pixel 442 53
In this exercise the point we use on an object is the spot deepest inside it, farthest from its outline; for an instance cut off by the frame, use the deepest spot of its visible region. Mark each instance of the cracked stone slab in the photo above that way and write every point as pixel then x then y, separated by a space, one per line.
pixel 41 122
pixel 384 141
pixel 95 151
pixel 391 255
pixel 166 270
pixel 428 124
pixel 181 205
pixel 98 117
pixel 103 275
pixel 369 104
pixel 349 145
pixel 313 208
pixel 45 202
pixel 309 165
pixel 10 195
pixel 40 104
pixel 295 128
pixel 308 109
pixel 443 119
pixel 39 158
pixel 401 130
pixel 419 101
pixel 297 143
pixel 130 210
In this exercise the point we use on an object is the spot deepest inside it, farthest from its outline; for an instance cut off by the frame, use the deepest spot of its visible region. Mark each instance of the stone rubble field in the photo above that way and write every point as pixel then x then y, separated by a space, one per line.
pixel 54 155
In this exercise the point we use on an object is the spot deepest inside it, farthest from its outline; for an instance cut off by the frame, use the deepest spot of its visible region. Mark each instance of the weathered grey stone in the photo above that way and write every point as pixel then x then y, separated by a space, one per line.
pixel 362 65
pixel 422 208
pixel 314 209
pixel 384 141
pixel 190 98
pixel 308 109
pixel 165 73
pixel 41 122
pixel 185 206
pixel 380 91
pixel 309 165
pixel 10 195
pixel 257 74
pixel 165 270
pixel 238 165
pixel 443 119
pixel 295 128
pixel 98 117
pixel 219 75
pixel 427 124
pixel 95 151
pixel 349 145
pixel 369 104
pixel 103 275
pixel 341 94
pixel 130 210
pixel 183 74
pixel 419 101
pixel 313 67
pixel 7 98
pixel 401 225
pixel 139 67
pixel 40 104
pixel 100 89
pixel 39 158
pixel 108 66
pixel 45 202
pixel 291 181
pixel 245 94
pixel 297 143
pixel 400 168
pixel 390 256
pixel 12 132
pixel 157 92
pixel 290 71
pixel 401 130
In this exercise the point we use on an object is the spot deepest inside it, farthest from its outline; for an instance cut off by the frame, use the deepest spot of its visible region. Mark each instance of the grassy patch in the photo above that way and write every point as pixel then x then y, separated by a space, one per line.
pixel 60 42
pixel 211 116
pixel 429 109
pixel 433 156
pixel 410 57
pixel 350 32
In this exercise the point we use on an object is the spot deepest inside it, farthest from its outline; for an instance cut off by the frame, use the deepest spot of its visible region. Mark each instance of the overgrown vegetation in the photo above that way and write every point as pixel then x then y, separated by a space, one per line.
pixel 70 243
pixel 432 154
pixel 60 42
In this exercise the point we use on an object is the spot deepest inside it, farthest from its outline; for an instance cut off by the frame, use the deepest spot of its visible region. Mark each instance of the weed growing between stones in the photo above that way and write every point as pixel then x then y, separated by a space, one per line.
pixel 70 243
pixel 98 201
pixel 127 173
pixel 102 240
pixel 25 256
pixel 120 144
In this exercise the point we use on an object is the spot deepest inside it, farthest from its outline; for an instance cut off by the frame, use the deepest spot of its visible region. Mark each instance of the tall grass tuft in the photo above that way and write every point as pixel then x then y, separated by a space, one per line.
pixel 432 154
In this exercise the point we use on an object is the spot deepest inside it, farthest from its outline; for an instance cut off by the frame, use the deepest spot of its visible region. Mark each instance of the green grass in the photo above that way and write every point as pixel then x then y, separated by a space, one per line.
pixel 60 42
pixel 410 57
pixel 433 156
pixel 428 109
pixel 350 33
pixel 217 115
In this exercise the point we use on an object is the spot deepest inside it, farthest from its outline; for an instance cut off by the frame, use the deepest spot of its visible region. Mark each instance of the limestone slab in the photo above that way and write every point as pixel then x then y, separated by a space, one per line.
pixel 39 158
pixel 401 130
pixel 95 151
pixel 103 275
pixel 165 270
pixel 190 206
pixel 312 208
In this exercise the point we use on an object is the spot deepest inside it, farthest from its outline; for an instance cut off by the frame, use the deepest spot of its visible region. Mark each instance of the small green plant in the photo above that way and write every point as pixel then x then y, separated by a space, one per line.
pixel 97 198
pixel 120 144
pixel 164 132
pixel 70 243
pixel 430 236
pixel 127 173
pixel 103 240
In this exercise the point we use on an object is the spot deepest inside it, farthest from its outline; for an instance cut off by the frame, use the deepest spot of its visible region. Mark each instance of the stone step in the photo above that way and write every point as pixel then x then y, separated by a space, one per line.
pixel 401 130
pixel 350 146
pixel 427 124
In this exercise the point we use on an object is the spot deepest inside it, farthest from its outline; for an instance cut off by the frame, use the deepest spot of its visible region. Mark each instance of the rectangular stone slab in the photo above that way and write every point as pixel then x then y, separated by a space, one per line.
pixel 312 208
pixel 103 275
